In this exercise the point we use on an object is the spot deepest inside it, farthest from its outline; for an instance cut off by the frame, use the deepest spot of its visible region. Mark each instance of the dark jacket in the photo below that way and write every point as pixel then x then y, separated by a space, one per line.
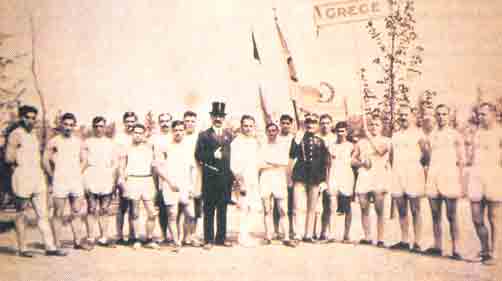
pixel 217 178
pixel 313 159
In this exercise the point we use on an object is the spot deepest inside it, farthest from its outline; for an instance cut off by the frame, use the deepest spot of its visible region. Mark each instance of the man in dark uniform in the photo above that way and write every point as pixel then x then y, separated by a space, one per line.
pixel 213 152
pixel 309 161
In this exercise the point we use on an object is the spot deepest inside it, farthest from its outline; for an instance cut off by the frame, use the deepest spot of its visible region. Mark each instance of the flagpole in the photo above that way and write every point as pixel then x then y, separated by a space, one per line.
pixel 293 78
pixel 267 118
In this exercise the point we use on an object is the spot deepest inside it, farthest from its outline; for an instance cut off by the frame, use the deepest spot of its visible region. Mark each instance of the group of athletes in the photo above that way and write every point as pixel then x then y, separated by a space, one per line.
pixel 174 177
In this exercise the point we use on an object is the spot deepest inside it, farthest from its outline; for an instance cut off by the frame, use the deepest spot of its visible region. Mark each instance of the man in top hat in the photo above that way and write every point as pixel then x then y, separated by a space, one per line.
pixel 213 153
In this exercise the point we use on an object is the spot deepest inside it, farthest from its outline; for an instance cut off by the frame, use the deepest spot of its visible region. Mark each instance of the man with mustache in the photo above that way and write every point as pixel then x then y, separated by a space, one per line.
pixel 327 196
pixel 160 142
pixel 28 181
pixel 213 153
pixel 308 168
pixel 122 141
pixel 63 161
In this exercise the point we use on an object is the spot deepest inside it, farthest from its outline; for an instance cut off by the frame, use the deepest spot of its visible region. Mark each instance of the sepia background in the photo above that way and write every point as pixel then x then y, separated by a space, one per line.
pixel 105 57
pixel 98 57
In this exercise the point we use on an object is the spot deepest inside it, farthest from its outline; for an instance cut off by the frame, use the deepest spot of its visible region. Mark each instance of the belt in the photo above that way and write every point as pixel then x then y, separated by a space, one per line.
pixel 139 176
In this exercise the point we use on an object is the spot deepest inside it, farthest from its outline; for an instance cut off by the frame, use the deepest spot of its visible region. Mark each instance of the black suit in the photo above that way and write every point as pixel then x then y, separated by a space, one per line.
pixel 216 182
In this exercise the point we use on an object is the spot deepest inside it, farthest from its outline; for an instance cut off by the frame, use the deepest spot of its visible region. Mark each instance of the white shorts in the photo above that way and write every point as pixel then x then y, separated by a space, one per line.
pixel 372 181
pixel 364 182
pixel 252 199
pixel 99 180
pixel 444 182
pixel 485 184
pixel 273 182
pixel 62 191
pixel 408 180
pixel 137 188
pixel 174 197
pixel 27 181
pixel 197 189
pixel 342 181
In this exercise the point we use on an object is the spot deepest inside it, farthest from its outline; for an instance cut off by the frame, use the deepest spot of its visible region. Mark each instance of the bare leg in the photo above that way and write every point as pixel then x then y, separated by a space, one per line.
pixel 451 215
pixel 150 219
pixel 494 217
pixel 275 216
pixel 134 211
pixel 39 203
pixel 266 216
pixel 348 222
pixel 124 206
pixel 402 207
pixel 78 219
pixel 312 197
pixel 57 219
pixel 171 211
pixel 417 219
pixel 282 217
pixel 295 194
pixel 189 222
pixel 20 222
pixel 478 214
pixel 365 215
pixel 327 211
pixel 436 211
pixel 379 210
pixel 105 217
pixel 92 216
pixel 179 224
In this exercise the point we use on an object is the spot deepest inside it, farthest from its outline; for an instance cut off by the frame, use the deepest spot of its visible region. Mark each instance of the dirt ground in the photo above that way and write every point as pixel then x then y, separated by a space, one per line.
pixel 275 262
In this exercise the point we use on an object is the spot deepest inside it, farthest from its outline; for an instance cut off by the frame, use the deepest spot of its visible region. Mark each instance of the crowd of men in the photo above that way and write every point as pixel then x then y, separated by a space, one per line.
pixel 181 175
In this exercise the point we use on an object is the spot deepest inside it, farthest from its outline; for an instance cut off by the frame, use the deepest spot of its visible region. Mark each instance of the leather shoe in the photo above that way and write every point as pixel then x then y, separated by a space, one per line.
pixel 289 243
pixel 224 243
pixel 55 253
pixel 26 254
pixel 83 246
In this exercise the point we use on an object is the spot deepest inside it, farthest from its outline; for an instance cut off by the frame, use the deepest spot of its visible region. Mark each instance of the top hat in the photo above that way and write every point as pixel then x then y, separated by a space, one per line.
pixel 218 108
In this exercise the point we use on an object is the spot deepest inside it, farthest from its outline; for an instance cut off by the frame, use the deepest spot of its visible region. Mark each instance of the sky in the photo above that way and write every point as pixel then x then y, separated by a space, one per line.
pixel 105 57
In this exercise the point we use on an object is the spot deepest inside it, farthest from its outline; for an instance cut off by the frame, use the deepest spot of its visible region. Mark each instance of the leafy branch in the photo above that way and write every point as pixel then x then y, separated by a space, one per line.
pixel 400 60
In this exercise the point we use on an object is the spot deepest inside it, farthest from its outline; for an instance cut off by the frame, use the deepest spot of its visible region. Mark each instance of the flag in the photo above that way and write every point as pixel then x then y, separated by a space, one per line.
pixel 285 50
pixel 308 98
pixel 263 106
pixel 256 54
pixel 322 100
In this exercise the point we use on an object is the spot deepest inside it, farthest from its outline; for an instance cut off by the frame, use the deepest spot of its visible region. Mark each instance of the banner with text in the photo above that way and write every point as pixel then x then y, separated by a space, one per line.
pixel 330 12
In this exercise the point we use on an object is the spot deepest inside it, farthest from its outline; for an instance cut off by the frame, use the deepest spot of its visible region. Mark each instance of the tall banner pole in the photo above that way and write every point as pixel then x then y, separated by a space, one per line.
pixel 293 78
